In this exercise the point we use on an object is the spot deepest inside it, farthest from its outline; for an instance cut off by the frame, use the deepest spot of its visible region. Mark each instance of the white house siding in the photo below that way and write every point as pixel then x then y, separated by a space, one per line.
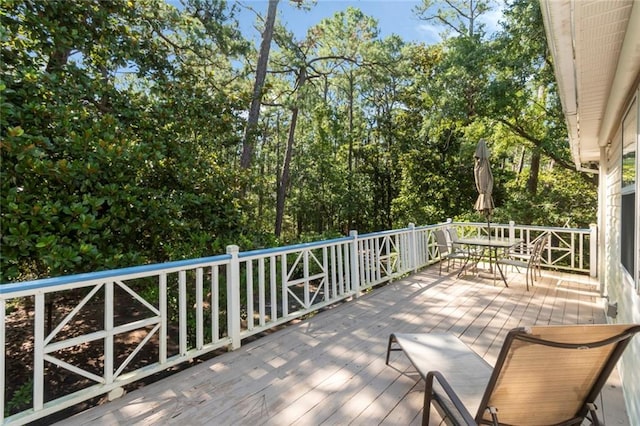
pixel 618 285
pixel 612 267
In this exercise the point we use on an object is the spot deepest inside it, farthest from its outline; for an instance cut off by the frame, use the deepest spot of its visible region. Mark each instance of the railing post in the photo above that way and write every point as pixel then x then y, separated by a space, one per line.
pixel 109 351
pixel 164 329
pixel 414 247
pixel 38 353
pixel 512 231
pixel 448 224
pixel 233 297
pixel 593 250
pixel 355 270
pixel 183 341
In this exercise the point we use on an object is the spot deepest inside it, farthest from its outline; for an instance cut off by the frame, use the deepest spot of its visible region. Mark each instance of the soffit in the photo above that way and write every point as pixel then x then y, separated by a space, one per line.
pixel 586 39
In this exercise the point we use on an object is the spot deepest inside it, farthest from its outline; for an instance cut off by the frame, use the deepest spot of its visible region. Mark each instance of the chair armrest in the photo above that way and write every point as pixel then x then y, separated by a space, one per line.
pixel 513 262
pixel 464 414
pixel 522 256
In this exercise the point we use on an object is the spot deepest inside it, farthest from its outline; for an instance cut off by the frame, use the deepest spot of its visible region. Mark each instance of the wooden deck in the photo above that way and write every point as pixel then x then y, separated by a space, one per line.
pixel 330 369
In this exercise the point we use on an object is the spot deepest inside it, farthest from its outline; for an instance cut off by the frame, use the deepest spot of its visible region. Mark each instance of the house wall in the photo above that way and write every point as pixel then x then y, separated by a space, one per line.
pixel 618 285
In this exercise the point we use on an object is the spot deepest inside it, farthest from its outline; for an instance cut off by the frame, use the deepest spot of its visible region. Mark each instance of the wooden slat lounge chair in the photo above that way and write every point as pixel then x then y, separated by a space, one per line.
pixel 544 375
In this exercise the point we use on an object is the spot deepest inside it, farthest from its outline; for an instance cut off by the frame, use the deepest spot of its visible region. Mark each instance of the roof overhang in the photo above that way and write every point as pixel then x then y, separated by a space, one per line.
pixel 595 47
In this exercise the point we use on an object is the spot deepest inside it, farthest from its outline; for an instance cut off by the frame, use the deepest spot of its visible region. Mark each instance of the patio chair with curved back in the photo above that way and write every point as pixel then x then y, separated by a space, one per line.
pixel 453 235
pixel 446 251
pixel 457 246
pixel 530 261
pixel 544 375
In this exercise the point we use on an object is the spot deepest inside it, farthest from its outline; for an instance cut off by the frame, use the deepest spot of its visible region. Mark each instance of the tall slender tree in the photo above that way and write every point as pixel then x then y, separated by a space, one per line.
pixel 458 17
pixel 248 140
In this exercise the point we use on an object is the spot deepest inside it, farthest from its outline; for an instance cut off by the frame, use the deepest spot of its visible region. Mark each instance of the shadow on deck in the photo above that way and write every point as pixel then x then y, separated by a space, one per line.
pixel 330 368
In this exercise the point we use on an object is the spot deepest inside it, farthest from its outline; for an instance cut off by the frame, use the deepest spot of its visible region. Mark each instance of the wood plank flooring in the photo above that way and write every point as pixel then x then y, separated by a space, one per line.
pixel 330 369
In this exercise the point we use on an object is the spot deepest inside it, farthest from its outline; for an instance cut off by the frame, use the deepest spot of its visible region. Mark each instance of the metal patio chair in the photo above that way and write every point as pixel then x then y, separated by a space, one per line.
pixel 530 261
pixel 544 375
pixel 457 246
pixel 453 236
pixel 446 251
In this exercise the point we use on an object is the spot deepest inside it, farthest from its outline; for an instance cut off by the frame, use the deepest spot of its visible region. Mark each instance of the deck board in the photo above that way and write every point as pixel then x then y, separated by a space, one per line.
pixel 330 369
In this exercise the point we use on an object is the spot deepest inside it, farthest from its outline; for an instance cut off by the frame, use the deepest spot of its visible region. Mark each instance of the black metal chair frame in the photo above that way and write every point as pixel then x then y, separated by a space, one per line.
pixel 454 410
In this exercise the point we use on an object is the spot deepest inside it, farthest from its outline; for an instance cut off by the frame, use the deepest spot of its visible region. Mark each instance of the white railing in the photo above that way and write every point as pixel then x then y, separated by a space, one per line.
pixel 567 249
pixel 127 324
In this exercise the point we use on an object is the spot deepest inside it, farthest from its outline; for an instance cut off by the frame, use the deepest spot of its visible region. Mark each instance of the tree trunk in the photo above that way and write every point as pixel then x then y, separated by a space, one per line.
pixel 532 182
pixel 534 171
pixel 57 60
pixel 248 140
pixel 350 216
pixel 284 179
pixel 263 171
pixel 520 164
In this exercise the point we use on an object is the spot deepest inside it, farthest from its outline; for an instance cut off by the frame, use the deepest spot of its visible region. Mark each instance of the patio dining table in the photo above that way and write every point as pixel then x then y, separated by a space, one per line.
pixel 492 245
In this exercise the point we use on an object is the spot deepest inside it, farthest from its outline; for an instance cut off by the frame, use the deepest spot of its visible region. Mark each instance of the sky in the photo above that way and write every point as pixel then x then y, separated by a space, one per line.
pixel 393 16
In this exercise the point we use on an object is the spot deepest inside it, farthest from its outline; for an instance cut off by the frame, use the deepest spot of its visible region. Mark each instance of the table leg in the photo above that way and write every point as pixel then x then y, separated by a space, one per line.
pixel 504 279
pixel 464 265
pixel 476 260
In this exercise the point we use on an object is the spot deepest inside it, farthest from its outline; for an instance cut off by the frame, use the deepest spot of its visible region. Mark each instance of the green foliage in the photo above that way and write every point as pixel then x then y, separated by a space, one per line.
pixel 98 174
pixel 570 204
pixel 21 399
pixel 121 127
